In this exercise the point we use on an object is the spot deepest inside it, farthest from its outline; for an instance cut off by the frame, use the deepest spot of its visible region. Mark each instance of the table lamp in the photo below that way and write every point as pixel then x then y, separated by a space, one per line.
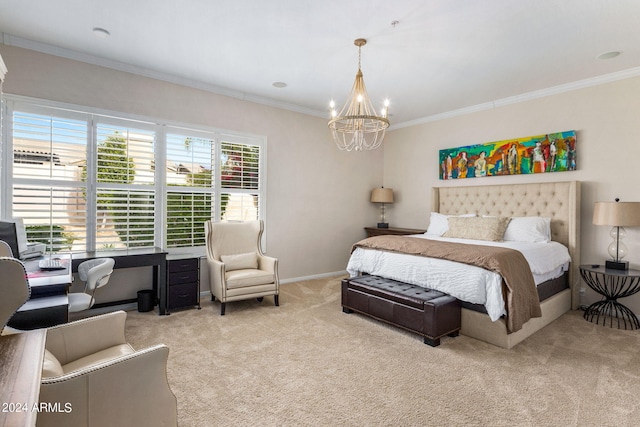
pixel 382 195
pixel 619 215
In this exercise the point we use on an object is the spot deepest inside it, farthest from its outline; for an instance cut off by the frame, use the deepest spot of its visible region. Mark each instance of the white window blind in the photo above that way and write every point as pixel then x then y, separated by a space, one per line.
pixel 240 181
pixel 125 187
pixel 190 187
pixel 125 219
pixel 85 181
pixel 49 157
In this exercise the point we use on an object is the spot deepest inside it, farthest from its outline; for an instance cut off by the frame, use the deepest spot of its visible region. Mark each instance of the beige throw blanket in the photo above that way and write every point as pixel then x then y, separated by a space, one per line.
pixel 519 288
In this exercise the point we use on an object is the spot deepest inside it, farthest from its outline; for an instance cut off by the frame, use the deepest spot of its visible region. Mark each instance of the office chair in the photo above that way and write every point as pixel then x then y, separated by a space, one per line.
pixel 5 249
pixel 95 273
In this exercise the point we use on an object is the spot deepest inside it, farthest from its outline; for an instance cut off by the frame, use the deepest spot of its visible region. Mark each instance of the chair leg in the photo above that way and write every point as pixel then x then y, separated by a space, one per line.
pixel 222 307
pixel 213 297
pixel 276 300
pixel 260 299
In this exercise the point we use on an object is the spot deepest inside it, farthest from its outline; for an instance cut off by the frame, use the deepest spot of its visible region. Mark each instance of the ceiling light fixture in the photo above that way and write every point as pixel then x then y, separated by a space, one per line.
pixel 358 126
pixel 609 55
pixel 101 32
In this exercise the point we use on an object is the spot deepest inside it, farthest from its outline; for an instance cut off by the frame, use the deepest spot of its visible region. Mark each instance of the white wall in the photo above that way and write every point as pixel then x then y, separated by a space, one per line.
pixel 317 196
pixel 607 121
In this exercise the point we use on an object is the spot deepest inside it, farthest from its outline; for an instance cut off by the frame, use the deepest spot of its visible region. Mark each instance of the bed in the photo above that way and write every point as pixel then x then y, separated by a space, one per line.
pixel 559 201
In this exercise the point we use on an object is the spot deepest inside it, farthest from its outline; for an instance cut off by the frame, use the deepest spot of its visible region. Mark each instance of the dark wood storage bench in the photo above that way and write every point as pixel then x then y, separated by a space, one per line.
pixel 429 313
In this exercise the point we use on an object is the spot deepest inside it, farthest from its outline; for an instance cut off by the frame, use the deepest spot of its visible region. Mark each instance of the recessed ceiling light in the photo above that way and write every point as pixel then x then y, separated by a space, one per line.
pixel 101 32
pixel 609 55
pixel 279 84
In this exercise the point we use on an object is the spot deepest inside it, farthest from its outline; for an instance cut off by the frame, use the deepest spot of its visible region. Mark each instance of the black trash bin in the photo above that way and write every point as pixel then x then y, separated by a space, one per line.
pixel 146 300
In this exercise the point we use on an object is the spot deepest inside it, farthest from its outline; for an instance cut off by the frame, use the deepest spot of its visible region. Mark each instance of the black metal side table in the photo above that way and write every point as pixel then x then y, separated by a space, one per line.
pixel 612 284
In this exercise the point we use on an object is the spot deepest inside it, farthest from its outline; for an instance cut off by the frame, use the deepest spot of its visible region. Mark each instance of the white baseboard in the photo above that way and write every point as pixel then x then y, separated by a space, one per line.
pixel 207 294
pixel 314 276
pixel 203 294
pixel 131 306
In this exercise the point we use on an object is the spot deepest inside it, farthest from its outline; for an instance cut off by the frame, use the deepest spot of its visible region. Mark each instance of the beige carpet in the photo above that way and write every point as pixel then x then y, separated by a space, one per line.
pixel 306 363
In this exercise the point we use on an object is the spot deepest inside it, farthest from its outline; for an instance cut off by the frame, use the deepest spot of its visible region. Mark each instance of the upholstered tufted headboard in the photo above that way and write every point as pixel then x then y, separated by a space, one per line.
pixel 559 201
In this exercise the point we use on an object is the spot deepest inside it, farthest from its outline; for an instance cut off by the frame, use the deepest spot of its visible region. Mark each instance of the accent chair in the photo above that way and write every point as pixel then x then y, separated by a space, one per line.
pixel 238 270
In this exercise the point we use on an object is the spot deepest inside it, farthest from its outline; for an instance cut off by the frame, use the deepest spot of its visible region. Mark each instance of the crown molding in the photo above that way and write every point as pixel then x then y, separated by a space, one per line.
pixel 554 90
pixel 11 40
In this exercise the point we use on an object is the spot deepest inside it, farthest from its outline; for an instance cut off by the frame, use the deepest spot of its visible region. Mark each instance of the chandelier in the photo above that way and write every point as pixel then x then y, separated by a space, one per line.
pixel 358 126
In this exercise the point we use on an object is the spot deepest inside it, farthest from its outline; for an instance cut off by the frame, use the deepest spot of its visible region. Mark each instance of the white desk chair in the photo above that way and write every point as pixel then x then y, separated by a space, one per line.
pixel 95 273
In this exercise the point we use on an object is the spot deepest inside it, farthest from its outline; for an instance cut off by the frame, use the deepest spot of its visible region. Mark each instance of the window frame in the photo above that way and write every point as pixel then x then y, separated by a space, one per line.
pixel 161 128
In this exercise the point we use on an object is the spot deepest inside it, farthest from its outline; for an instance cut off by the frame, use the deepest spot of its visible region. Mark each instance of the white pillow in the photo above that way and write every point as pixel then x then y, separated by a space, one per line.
pixel 240 261
pixel 439 223
pixel 478 228
pixel 528 229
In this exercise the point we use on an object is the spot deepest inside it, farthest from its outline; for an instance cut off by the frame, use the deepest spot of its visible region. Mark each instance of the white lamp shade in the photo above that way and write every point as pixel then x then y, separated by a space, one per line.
pixel 617 214
pixel 382 195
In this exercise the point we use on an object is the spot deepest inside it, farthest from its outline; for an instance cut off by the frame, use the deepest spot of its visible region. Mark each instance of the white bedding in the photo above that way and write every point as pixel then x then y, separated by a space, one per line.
pixel 465 282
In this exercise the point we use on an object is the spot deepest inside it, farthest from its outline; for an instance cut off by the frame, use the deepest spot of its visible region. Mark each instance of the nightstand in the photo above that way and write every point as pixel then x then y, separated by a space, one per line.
pixel 374 231
pixel 612 284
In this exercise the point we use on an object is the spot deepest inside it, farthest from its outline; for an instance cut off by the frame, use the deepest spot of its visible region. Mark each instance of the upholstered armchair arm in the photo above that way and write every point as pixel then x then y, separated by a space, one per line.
pixel 128 390
pixel 71 341
pixel 216 278
pixel 267 263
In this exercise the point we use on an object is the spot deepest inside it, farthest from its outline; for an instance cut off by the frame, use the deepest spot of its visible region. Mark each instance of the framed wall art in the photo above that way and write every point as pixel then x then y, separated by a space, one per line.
pixel 554 152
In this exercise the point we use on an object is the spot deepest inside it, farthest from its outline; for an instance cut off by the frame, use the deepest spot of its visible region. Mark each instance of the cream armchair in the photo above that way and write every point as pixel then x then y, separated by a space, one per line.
pixel 98 379
pixel 14 289
pixel 91 376
pixel 237 267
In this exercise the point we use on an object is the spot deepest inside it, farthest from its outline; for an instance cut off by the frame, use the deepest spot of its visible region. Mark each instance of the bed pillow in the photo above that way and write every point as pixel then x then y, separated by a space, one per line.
pixel 439 224
pixel 240 261
pixel 477 228
pixel 528 229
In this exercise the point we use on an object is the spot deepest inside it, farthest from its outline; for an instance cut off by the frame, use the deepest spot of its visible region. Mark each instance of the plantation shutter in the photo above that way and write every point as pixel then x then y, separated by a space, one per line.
pixel 48 186
pixel 125 187
pixel 85 180
pixel 240 181
pixel 190 187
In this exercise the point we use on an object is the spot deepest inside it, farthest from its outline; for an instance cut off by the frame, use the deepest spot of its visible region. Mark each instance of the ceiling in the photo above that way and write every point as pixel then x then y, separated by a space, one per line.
pixel 441 56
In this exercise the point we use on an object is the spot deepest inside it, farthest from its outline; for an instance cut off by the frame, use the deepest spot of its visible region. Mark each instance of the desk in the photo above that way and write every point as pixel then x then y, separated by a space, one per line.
pixel 45 283
pixel 21 357
pixel 41 312
pixel 142 257
pixel 48 304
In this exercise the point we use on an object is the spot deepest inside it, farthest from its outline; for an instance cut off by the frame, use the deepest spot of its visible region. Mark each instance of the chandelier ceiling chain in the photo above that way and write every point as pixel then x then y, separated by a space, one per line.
pixel 358 126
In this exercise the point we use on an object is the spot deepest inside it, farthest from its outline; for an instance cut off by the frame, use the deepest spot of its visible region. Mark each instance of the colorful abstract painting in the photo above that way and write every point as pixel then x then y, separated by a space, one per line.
pixel 555 152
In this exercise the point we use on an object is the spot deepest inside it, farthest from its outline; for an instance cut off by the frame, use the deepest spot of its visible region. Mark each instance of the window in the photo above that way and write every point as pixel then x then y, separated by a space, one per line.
pixel 85 181
pixel 239 181
pixel 196 161
pixel 190 187
pixel 49 153
pixel 124 187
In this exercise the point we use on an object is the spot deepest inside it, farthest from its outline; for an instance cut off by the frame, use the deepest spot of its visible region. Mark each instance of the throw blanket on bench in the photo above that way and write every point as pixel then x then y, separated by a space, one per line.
pixel 519 288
